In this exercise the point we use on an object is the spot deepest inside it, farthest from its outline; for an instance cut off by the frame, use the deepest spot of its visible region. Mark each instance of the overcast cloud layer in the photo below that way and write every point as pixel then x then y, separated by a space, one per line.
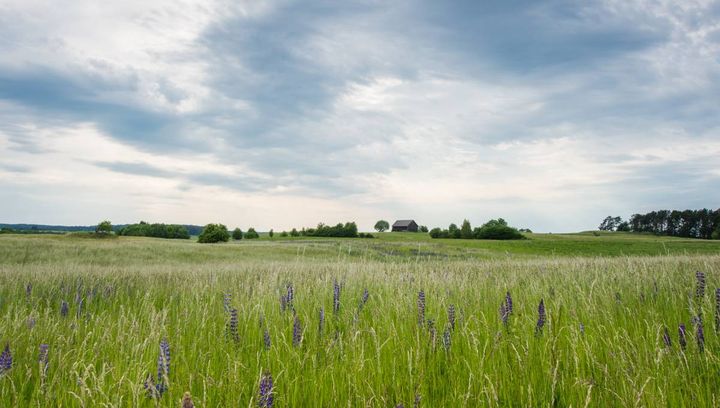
pixel 277 114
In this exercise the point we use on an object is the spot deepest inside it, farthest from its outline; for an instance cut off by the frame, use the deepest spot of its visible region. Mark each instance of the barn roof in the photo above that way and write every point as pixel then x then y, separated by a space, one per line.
pixel 402 223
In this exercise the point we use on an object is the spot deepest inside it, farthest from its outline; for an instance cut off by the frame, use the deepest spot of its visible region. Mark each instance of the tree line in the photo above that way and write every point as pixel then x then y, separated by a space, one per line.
pixel 703 224
pixel 157 230
pixel 493 229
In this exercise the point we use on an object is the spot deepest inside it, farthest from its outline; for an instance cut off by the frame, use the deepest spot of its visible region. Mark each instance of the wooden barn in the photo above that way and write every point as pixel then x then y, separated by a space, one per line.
pixel 405 226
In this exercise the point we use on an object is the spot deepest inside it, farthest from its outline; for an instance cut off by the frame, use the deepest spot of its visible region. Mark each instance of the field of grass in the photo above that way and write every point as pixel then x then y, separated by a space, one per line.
pixel 607 301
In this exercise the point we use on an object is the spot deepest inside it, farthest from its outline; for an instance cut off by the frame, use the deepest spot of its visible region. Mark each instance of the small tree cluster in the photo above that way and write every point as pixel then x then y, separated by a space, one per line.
pixel 251 234
pixel 493 229
pixel 143 229
pixel 214 233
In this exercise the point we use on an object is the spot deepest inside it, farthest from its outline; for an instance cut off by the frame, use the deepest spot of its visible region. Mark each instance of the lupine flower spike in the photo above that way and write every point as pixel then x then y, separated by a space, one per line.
pixel 451 316
pixel 6 359
pixel 541 317
pixel 64 308
pixel 666 338
pixel 297 332
pixel 700 289
pixel 233 326
pixel 508 303
pixel 717 309
pixel 700 336
pixel 43 359
pixel 504 313
pixel 265 399
pixel 266 339
pixel 681 336
pixel 421 307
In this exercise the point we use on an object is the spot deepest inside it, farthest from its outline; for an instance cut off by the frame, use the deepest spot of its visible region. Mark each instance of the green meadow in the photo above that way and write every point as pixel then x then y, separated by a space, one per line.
pixel 608 299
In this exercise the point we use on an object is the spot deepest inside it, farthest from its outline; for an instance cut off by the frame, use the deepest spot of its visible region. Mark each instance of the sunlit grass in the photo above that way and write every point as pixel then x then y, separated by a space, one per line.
pixel 137 291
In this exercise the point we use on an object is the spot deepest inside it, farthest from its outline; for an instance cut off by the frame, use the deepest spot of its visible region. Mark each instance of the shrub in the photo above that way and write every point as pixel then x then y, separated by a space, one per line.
pixel 214 233
pixel 423 228
pixel 347 230
pixel 143 229
pixel 251 234
pixel 284 234
pixel 365 235
pixel 497 229
pixel 271 233
pixel 294 233
pixel 105 227
pixel 237 234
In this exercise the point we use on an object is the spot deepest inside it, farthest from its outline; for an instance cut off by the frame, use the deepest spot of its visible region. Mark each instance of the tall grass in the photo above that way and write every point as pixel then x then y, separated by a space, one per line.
pixel 601 344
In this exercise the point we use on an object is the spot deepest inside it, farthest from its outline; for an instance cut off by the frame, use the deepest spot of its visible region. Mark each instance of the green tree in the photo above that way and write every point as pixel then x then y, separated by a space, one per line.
pixel 271 233
pixel 237 234
pixel 251 234
pixel 423 228
pixel 294 233
pixel 284 234
pixel 382 226
pixel 104 227
pixel 214 233
pixel 466 230
pixel 454 231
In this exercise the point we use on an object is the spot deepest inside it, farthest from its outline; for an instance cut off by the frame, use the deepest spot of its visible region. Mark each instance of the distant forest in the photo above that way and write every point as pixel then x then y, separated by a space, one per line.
pixel 191 229
pixel 704 224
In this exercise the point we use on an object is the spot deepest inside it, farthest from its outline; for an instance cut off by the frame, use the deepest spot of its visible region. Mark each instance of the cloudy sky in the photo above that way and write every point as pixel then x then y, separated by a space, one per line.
pixel 277 114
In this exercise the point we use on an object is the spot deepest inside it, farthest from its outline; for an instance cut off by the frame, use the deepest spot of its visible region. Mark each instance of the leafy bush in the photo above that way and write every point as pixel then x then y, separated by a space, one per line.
pixel 284 234
pixel 237 234
pixel 105 227
pixel 271 233
pixel 347 230
pixel 214 233
pixel 365 235
pixel 423 228
pixel 493 229
pixel 251 234
pixel 294 233
pixel 143 229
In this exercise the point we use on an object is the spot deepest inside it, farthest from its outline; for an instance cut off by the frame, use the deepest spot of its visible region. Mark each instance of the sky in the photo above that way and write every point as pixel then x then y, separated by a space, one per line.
pixel 281 114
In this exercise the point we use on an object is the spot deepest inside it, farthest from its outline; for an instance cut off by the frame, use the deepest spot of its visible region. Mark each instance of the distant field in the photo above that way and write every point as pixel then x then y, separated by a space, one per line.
pixel 607 299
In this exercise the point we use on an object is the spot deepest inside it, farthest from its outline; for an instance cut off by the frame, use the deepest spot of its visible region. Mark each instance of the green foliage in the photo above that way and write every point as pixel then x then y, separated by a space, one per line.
pixel 466 231
pixel 143 229
pixel 423 228
pixel 382 226
pixel 347 230
pixel 687 223
pixel 237 234
pixel 213 233
pixel 365 235
pixel 271 233
pixel 294 233
pixel 716 233
pixel 284 234
pixel 493 229
pixel 6 230
pixel 251 234
pixel 104 227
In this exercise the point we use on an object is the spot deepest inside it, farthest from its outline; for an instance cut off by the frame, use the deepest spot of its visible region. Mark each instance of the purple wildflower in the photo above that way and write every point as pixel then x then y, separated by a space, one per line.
pixel 336 296
pixel 266 391
pixel 717 309
pixel 681 335
pixel 700 335
pixel 266 339
pixel 43 358
pixel 297 332
pixel 165 353
pixel 364 299
pixel 508 303
pixel 541 317
pixel 64 308
pixel 6 359
pixel 451 316
pixel 227 298
pixel 290 295
pixel 666 338
pixel 283 303
pixel 232 327
pixel 504 313
pixel 421 307
pixel 700 288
